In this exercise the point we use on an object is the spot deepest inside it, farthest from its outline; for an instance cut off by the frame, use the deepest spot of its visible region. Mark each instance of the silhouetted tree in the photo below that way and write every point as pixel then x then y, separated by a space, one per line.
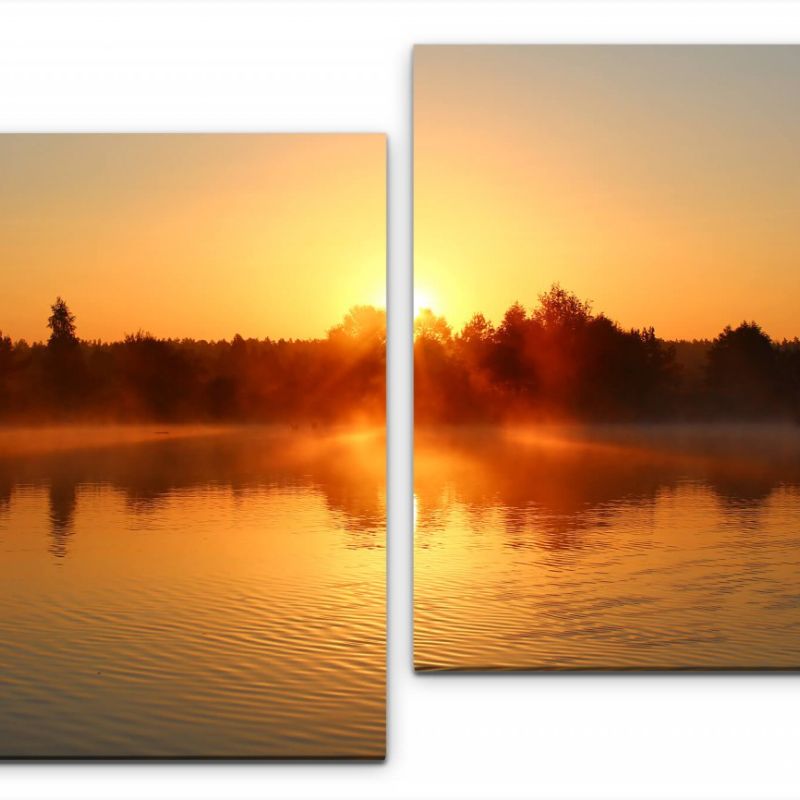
pixel 363 325
pixel 62 325
pixel 66 375
pixel 440 384
pixel 510 366
pixel 562 310
pixel 474 346
pixel 431 328
pixel 742 372
pixel 788 357
pixel 6 366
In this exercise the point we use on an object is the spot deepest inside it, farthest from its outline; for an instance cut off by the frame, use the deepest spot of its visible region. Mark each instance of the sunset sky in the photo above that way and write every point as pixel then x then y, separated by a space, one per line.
pixel 201 236
pixel 663 183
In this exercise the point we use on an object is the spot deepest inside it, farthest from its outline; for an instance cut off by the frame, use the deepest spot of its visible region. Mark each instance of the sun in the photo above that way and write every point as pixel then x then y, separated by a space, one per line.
pixel 422 299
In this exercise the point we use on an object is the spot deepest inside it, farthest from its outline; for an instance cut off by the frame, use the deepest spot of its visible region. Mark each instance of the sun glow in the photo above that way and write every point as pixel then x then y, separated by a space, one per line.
pixel 423 300
pixel 535 164
pixel 127 245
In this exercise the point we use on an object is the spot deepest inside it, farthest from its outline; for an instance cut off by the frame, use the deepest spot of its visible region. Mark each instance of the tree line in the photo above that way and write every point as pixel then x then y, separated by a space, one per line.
pixel 562 361
pixel 336 379
pixel 558 361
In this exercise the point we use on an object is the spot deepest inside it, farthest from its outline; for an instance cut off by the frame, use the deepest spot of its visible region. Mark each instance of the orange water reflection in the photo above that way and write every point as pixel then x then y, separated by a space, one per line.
pixel 620 547
pixel 208 594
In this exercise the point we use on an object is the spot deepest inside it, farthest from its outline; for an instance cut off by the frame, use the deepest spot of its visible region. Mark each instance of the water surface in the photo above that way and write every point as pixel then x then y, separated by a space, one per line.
pixel 191 593
pixel 619 547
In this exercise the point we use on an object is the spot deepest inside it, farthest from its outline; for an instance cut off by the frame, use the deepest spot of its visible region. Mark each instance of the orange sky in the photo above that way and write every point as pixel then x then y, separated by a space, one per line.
pixel 191 235
pixel 663 183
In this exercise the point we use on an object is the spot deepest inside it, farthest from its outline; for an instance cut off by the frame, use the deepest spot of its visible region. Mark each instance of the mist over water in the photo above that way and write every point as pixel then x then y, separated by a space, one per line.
pixel 617 547
pixel 192 592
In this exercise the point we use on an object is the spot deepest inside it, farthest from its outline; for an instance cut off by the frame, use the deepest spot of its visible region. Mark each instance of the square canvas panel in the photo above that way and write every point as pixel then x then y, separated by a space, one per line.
pixel 192 494
pixel 607 369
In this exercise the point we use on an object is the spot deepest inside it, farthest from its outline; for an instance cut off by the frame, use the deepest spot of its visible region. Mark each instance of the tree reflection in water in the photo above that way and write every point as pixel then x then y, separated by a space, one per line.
pixel 347 470
pixel 560 482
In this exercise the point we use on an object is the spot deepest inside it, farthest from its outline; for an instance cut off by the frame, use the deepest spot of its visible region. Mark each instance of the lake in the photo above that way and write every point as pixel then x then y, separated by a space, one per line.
pixel 672 547
pixel 192 592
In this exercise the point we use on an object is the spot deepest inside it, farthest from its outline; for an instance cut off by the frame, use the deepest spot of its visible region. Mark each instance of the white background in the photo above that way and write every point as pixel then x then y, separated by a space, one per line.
pixel 330 65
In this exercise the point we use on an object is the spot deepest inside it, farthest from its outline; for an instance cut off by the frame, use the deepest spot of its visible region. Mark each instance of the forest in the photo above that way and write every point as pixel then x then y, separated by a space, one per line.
pixel 339 379
pixel 560 361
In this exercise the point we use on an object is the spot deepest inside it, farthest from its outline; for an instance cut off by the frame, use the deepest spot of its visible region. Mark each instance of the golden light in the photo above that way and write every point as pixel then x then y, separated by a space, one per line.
pixel 422 299
pixel 378 297
pixel 323 252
